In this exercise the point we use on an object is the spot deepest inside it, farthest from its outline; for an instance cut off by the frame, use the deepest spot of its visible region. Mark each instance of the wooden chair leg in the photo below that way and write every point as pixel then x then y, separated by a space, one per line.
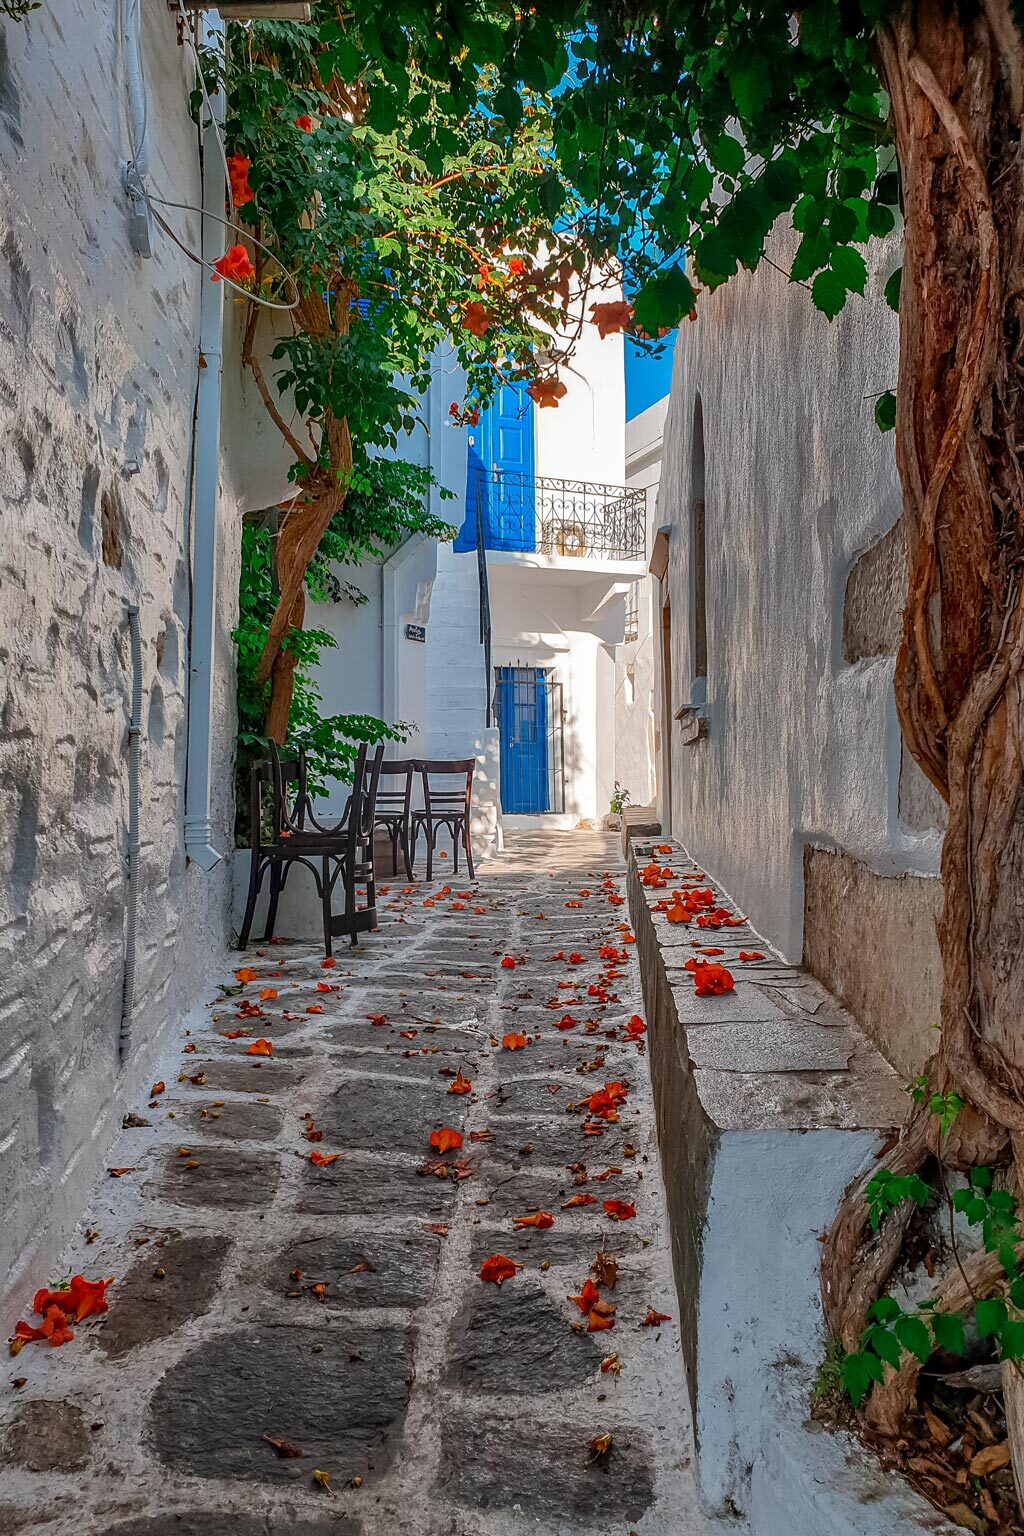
pixel 275 897
pixel 455 848
pixel 468 845
pixel 431 833
pixel 406 854
pixel 250 902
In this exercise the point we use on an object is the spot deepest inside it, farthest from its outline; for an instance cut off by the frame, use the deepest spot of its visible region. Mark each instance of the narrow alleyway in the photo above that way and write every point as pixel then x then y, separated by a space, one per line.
pixel 295 1349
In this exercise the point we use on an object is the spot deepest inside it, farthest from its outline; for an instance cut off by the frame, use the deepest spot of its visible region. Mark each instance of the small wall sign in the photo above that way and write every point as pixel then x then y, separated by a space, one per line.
pixel 416 632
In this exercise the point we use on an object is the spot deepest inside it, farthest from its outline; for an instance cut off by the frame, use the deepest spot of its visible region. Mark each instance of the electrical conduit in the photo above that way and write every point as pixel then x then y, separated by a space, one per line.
pixel 199 844
pixel 134 792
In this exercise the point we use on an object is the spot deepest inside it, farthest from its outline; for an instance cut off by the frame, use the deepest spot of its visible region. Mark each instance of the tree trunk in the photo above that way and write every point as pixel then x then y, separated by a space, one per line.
pixel 955 75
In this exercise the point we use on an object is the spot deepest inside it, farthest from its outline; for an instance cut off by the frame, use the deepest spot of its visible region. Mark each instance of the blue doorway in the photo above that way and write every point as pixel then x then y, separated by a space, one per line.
pixel 500 473
pixel 529 718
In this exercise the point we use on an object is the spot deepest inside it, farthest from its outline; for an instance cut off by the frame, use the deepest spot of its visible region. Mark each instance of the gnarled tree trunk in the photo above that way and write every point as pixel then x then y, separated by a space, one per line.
pixel 954 71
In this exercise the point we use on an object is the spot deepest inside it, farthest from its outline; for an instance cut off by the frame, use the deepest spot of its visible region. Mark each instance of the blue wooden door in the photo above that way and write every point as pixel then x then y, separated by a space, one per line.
pixel 523 735
pixel 505 445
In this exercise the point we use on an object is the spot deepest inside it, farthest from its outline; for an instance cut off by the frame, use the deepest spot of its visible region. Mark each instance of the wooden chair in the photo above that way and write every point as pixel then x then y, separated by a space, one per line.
pixel 445 805
pixel 279 800
pixel 394 809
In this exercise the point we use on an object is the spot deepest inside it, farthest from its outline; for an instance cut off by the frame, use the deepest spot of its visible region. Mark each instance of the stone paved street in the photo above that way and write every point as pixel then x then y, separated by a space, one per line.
pixel 261 1298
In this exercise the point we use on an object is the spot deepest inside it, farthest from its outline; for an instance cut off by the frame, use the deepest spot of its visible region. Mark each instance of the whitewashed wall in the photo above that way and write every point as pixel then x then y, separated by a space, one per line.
pixel 98 369
pixel 802 747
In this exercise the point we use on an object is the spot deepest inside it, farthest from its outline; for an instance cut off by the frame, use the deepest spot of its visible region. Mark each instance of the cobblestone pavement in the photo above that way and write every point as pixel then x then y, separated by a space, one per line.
pixel 262 1299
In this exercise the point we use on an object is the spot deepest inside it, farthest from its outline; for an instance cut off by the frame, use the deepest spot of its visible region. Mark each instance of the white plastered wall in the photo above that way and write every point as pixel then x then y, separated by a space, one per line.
pixel 801 747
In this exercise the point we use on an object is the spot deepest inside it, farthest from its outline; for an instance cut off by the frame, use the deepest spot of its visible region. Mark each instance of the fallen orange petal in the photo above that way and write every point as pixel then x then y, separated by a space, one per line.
pixel 446 1139
pixel 460 1084
pixel 620 1210
pixel 513 1042
pixel 498 1267
pixel 323 1159
pixel 260 1048
pixel 245 974
pixel 540 1219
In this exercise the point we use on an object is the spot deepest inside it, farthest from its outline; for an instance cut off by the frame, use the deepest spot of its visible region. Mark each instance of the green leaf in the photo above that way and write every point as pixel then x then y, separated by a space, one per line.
pixel 1011 1340
pixel 551 195
pixel 913 1334
pixel 892 289
pixel 885 1345
pixel 886 1308
pixel 850 268
pixel 885 420
pixel 728 155
pixel 948 1328
pixel 751 85
pixel 858 1371
pixel 829 293
pixel 662 302
pixel 714 258
pixel 990 1314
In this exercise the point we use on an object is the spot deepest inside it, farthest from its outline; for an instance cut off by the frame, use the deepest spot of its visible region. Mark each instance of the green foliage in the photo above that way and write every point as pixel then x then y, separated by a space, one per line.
pixel 886 1191
pixel 387 503
pixel 945 1105
pixel 686 127
pixel 620 799
pixel 17 10
pixel 892 1332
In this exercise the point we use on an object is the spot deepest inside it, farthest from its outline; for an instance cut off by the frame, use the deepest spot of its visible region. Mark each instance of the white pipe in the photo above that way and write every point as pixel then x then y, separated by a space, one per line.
pixel 136 86
pixel 134 792
pixel 199 844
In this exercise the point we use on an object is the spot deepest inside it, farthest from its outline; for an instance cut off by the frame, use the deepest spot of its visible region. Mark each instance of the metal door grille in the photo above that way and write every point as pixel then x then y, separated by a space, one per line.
pixel 528 709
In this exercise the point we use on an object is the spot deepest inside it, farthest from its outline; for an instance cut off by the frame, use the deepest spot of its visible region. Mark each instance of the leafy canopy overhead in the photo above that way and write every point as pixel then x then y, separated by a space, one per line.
pixel 678 127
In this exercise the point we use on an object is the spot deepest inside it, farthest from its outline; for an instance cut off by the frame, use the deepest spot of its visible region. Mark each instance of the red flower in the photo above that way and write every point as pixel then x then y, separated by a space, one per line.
pixel 712 980
pixel 751 954
pixel 513 1042
pixel 498 1267
pixel 305 122
pixel 260 1048
pixel 620 1210
pixel 517 266
pixel 566 1022
pixel 654 1319
pixel 610 318
pixel 508 963
pixel 588 1297
pixel 636 1027
pixel 476 318
pixel 446 1139
pixel 239 167
pixel 540 1219
pixel 234 265
pixel 547 392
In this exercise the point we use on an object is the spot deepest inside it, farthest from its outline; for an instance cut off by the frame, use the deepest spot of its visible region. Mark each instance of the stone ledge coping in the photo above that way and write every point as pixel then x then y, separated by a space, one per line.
pixel 779 1052
pixel 637 821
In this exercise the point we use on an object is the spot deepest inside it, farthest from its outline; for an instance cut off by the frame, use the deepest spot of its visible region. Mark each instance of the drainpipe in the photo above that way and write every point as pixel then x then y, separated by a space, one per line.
pixel 132 903
pixel 199 844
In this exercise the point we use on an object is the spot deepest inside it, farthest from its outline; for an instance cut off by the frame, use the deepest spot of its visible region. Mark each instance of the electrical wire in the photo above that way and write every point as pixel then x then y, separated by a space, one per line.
pixel 137 135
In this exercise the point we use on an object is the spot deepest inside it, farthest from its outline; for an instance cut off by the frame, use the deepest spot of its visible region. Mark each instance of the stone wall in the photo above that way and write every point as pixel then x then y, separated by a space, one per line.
pixel 98 370
pixel 771 425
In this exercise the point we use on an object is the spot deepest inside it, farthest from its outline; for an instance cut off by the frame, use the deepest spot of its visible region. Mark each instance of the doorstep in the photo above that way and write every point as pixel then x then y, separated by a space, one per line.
pixel 769 1102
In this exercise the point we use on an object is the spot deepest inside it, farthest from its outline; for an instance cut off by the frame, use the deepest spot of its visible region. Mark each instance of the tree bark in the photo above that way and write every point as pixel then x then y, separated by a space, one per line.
pixel 954 71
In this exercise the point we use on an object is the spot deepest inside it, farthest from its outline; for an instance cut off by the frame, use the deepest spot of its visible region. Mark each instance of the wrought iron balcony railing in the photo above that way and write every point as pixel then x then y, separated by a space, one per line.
pixel 577 518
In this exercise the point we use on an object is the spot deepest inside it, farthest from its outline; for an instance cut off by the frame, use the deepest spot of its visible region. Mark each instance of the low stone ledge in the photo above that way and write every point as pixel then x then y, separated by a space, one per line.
pixel 637 821
pixel 769 1102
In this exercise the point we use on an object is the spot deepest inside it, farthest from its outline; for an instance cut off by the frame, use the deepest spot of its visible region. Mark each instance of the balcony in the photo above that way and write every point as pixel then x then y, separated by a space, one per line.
pixel 572 520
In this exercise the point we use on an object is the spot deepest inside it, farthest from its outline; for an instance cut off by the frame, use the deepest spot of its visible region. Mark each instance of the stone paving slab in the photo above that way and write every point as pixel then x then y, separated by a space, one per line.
pixel 340 1307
